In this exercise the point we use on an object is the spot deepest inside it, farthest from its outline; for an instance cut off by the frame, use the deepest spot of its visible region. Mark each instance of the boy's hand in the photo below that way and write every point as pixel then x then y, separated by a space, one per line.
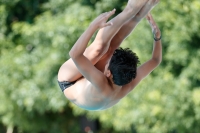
pixel 154 27
pixel 101 20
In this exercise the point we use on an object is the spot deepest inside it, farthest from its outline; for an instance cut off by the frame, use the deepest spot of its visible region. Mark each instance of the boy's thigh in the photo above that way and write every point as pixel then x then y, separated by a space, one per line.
pixel 100 65
pixel 69 72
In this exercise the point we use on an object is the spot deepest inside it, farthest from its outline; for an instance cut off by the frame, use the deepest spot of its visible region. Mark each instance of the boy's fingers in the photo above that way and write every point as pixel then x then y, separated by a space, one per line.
pixel 151 21
pixel 155 29
pixel 113 10
pixel 111 13
pixel 148 16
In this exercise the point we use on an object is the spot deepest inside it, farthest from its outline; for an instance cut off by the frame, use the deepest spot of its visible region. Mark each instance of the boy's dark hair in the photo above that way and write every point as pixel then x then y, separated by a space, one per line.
pixel 123 66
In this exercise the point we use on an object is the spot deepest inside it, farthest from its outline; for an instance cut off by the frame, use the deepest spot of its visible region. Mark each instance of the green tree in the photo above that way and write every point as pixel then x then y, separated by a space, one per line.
pixel 33 46
pixel 32 102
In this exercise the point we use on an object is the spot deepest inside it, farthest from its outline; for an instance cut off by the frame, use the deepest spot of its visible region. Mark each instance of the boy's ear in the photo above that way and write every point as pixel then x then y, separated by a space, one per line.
pixel 108 73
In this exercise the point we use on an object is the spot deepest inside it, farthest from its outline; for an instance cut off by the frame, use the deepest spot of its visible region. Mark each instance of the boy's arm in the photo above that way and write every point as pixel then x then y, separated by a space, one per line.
pixel 85 67
pixel 146 68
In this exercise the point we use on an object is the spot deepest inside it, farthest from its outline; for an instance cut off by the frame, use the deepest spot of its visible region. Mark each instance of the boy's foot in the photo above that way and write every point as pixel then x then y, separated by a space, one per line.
pixel 135 6
pixel 146 8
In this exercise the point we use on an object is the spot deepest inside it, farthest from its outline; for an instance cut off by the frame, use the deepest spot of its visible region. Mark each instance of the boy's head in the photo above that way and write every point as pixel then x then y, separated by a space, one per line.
pixel 123 66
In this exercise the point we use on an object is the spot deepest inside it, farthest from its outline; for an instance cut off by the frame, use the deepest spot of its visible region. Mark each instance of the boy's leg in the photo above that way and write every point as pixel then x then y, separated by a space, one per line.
pixel 125 30
pixel 69 72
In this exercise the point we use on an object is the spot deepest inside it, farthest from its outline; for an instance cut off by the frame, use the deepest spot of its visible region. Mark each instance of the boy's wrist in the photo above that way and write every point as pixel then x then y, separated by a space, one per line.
pixel 93 26
pixel 157 36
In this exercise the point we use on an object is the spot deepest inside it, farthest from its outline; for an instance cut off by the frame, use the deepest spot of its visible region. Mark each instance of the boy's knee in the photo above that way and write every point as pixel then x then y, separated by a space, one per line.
pixel 110 51
pixel 102 49
pixel 99 49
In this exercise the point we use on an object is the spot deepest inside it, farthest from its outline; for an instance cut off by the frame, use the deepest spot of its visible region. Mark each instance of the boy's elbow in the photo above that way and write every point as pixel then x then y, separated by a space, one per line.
pixel 72 54
pixel 157 61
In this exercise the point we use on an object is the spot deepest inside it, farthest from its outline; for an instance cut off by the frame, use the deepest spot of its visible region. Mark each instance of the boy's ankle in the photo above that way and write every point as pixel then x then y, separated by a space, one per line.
pixel 129 10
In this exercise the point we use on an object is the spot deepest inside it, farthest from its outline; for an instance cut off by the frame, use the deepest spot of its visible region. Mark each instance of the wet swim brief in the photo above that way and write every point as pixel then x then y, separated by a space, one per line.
pixel 64 85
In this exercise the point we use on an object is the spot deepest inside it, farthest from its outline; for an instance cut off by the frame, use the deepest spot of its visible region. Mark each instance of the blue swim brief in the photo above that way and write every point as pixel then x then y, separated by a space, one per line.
pixel 64 85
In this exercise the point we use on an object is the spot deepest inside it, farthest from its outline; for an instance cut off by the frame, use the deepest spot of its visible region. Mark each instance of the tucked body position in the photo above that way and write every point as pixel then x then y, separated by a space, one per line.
pixel 100 75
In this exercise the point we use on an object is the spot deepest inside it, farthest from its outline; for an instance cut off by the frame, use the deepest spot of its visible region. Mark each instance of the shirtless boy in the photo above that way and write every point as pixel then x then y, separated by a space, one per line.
pixel 98 76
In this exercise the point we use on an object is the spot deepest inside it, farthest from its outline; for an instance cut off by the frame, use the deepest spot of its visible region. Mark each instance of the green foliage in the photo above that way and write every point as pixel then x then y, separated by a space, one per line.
pixel 8 2
pixel 33 47
pixel 29 74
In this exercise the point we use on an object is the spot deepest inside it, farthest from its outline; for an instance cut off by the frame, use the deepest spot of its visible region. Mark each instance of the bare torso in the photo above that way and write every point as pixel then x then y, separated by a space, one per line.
pixel 86 96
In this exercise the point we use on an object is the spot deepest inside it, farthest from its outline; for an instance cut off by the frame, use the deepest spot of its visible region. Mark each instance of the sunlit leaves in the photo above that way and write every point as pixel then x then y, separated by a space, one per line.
pixel 31 54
